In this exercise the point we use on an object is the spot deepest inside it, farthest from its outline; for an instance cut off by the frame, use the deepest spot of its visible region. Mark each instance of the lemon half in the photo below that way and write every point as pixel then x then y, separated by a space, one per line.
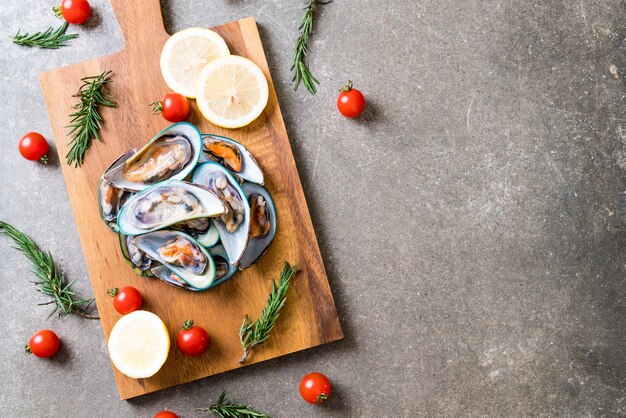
pixel 232 91
pixel 139 344
pixel 185 54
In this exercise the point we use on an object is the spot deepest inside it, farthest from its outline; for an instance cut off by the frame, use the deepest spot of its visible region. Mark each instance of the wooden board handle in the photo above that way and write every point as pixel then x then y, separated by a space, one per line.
pixel 140 20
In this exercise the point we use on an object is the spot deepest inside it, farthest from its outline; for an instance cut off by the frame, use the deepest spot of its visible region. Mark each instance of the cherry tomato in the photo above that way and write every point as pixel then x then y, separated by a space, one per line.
pixel 43 343
pixel 315 388
pixel 173 107
pixel 350 101
pixel 74 11
pixel 127 299
pixel 166 414
pixel 33 146
pixel 192 339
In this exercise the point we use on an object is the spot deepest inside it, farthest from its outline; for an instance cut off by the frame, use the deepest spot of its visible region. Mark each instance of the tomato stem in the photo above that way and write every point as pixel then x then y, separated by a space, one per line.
pixel 113 292
pixel 58 12
pixel 27 349
pixel 157 107
pixel 44 159
pixel 188 324
pixel 347 87
pixel 321 398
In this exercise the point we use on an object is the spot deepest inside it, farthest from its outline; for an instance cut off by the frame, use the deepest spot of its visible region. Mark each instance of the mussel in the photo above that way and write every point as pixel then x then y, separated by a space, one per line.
pixel 110 198
pixel 169 277
pixel 233 156
pixel 137 259
pixel 262 223
pixel 233 226
pixel 181 254
pixel 171 154
pixel 167 203
pixel 224 270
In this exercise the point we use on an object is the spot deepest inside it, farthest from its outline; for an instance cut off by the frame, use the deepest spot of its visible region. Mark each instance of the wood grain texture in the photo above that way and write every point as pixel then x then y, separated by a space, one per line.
pixel 309 317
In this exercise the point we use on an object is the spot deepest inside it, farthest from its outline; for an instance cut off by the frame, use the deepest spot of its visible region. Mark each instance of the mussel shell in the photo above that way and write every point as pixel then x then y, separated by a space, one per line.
pixel 234 242
pixel 117 175
pixel 110 210
pixel 147 211
pixel 169 277
pixel 151 242
pixel 210 237
pixel 250 170
pixel 258 246
pixel 109 201
pixel 224 270
pixel 135 258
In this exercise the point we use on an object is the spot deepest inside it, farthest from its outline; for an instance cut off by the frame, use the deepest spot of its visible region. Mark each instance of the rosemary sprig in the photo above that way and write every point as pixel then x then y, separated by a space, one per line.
pixel 49 39
pixel 299 62
pixel 51 281
pixel 86 121
pixel 227 409
pixel 252 334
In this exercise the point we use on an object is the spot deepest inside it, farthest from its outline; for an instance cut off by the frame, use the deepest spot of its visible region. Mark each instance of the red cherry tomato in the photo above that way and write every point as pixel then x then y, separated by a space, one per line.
pixel 74 11
pixel 315 388
pixel 44 344
pixel 350 101
pixel 173 107
pixel 166 414
pixel 127 299
pixel 192 339
pixel 33 146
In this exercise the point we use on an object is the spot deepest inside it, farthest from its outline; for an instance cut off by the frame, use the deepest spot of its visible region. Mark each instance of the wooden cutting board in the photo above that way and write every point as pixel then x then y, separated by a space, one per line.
pixel 309 317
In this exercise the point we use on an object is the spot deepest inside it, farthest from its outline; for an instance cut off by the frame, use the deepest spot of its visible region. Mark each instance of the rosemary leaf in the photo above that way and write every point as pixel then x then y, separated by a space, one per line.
pixel 49 39
pixel 86 122
pixel 227 409
pixel 299 63
pixel 252 334
pixel 50 279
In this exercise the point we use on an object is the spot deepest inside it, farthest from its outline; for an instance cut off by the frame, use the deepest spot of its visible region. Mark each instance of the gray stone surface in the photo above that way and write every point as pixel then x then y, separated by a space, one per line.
pixel 472 221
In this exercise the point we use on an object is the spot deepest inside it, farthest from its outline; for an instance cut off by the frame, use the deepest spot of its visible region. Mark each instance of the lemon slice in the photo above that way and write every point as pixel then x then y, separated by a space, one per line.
pixel 139 344
pixel 185 54
pixel 232 91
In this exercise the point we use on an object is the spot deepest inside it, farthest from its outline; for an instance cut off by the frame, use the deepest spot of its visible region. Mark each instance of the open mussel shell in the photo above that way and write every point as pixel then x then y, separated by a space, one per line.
pixel 171 154
pixel 181 254
pixel 247 168
pixel 165 204
pixel 224 270
pixel 136 259
pixel 110 198
pixel 233 226
pixel 203 230
pixel 171 278
pixel 257 246
pixel 210 237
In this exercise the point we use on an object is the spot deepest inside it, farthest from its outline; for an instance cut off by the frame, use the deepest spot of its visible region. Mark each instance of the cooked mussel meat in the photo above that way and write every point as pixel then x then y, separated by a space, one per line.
pixel 164 158
pixel 181 252
pixel 223 152
pixel 259 216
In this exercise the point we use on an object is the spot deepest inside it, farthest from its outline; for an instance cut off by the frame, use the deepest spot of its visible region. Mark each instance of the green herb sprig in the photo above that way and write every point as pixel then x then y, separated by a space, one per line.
pixel 51 281
pixel 227 409
pixel 299 62
pixel 86 121
pixel 49 39
pixel 252 334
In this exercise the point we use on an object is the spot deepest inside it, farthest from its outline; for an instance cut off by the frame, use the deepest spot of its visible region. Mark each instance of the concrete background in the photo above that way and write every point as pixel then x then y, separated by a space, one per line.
pixel 472 221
